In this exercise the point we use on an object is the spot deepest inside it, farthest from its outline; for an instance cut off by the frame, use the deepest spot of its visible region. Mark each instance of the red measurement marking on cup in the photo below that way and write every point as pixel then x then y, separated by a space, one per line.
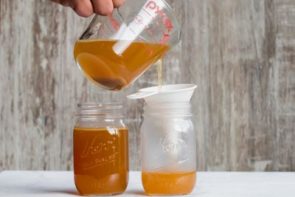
pixel 152 5
pixel 115 24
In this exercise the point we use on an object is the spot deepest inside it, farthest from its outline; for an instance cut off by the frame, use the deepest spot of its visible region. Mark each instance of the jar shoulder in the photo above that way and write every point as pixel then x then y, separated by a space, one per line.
pixel 100 123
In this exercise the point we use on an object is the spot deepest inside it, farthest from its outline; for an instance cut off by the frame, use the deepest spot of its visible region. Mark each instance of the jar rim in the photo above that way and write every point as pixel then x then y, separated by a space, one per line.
pixel 172 109
pixel 88 105
pixel 99 109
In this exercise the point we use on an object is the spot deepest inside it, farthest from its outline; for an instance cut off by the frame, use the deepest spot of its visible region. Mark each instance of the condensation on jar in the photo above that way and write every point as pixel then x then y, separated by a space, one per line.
pixel 100 148
pixel 168 149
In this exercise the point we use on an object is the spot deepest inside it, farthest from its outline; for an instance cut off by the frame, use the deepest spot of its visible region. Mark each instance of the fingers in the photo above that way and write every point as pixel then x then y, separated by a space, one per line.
pixel 82 7
pixel 103 7
pixel 86 8
pixel 118 3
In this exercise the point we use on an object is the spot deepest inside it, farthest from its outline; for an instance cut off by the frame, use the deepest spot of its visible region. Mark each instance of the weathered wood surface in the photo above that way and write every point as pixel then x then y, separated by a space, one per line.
pixel 241 53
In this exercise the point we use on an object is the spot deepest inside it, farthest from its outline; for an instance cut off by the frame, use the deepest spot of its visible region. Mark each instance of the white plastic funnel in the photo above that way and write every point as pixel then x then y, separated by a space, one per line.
pixel 179 93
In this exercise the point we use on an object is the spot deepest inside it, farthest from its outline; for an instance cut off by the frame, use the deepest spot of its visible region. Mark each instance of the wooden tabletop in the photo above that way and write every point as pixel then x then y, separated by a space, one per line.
pixel 209 184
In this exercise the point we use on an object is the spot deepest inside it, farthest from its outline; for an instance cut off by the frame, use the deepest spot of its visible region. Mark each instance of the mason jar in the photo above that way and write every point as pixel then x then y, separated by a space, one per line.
pixel 168 149
pixel 100 148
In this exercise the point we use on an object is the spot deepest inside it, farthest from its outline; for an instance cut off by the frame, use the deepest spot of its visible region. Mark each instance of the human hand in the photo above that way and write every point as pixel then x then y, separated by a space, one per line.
pixel 86 8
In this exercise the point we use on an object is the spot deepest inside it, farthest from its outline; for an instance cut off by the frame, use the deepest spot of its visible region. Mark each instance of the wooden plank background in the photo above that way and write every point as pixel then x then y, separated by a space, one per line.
pixel 241 54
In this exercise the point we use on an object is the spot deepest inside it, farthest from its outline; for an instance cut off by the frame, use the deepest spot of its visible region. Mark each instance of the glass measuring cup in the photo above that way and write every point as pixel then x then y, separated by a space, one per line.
pixel 115 50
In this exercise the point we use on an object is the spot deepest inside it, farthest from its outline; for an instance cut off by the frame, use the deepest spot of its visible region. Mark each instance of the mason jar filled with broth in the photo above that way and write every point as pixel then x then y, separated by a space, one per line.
pixel 100 148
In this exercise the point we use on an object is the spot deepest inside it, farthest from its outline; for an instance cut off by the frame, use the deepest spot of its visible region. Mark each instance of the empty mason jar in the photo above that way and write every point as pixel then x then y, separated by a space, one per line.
pixel 100 150
pixel 168 149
